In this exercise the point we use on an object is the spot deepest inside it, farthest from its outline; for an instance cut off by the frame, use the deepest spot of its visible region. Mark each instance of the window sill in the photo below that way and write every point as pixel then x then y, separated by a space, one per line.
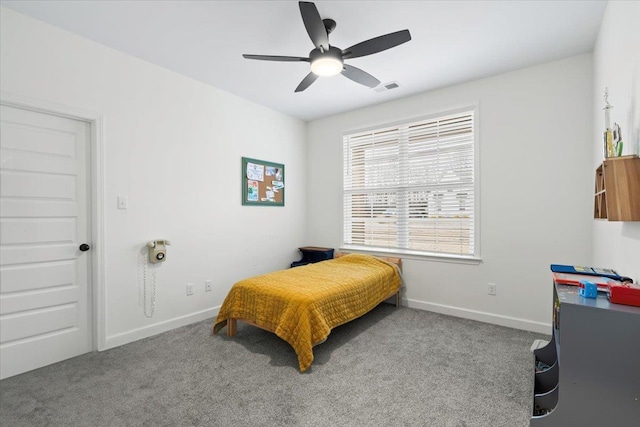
pixel 406 254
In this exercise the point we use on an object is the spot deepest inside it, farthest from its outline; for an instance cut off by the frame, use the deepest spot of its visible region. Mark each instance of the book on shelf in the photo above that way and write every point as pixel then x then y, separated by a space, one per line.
pixel 573 279
pixel 628 156
pixel 588 271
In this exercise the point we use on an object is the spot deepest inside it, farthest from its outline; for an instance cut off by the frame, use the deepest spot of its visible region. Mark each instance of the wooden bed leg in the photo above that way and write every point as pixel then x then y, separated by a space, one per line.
pixel 398 299
pixel 232 327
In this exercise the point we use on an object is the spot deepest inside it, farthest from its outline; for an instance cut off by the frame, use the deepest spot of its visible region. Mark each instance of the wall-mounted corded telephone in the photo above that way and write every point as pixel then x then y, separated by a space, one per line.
pixel 157 250
pixel 154 252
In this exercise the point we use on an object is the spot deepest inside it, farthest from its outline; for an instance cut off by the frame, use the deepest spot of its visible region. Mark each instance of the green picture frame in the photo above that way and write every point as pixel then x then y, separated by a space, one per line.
pixel 263 183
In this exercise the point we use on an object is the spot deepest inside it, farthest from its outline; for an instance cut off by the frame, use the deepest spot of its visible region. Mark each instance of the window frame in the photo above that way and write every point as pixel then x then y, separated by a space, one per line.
pixel 474 258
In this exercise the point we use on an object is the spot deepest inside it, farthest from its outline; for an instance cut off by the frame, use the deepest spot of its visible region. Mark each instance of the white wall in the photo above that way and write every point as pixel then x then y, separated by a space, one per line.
pixel 536 174
pixel 536 189
pixel 616 59
pixel 163 126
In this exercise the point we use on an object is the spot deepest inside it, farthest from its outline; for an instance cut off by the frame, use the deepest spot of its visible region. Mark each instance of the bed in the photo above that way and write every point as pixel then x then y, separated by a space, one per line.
pixel 301 305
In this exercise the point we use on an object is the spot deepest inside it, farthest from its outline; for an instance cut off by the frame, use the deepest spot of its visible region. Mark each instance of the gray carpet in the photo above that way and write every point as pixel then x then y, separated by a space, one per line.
pixel 392 367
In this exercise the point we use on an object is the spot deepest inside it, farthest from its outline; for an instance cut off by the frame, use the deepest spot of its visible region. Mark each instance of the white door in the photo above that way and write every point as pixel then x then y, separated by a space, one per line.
pixel 45 298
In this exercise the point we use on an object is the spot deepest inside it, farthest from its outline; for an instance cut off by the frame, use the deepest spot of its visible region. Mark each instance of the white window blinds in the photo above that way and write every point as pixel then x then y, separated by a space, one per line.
pixel 411 187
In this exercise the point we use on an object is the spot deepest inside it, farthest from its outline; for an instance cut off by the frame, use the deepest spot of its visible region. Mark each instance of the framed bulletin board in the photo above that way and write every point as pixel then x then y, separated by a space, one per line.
pixel 262 183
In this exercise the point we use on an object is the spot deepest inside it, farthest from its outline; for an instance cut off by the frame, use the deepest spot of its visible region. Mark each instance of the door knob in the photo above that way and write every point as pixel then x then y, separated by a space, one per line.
pixel 84 247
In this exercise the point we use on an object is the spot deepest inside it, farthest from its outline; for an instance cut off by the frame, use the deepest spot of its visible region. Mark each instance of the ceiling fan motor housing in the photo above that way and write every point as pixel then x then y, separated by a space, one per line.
pixel 333 52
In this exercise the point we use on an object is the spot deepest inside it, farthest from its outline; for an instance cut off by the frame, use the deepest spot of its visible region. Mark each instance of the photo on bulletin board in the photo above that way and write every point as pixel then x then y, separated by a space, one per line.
pixel 262 183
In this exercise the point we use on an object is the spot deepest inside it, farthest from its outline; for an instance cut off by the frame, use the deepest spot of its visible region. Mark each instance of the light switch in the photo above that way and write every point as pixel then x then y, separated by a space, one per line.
pixel 123 203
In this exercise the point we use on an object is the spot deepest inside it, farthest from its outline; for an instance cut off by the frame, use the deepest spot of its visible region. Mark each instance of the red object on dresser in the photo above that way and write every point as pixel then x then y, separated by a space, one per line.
pixel 625 293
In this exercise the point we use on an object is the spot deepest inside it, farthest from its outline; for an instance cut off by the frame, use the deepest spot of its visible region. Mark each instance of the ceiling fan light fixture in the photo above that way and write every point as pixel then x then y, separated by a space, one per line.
pixel 326 66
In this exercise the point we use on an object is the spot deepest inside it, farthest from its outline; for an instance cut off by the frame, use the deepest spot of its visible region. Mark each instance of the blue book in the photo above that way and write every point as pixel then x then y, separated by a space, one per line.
pixel 589 271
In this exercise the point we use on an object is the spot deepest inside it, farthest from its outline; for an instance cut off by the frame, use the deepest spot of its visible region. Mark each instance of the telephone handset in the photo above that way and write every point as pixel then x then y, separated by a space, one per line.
pixel 158 250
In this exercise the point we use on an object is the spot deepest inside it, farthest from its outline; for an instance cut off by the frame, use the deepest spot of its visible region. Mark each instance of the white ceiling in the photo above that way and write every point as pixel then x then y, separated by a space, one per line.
pixel 452 42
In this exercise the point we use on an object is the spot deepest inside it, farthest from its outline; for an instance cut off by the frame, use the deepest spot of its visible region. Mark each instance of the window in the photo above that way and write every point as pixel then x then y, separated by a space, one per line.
pixel 411 188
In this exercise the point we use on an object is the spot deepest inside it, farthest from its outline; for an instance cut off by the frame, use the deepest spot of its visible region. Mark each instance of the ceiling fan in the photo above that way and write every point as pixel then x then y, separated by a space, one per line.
pixel 327 60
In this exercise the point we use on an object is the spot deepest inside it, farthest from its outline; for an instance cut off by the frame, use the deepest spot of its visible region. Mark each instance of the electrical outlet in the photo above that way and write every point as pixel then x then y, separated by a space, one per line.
pixel 208 286
pixel 190 289
pixel 492 288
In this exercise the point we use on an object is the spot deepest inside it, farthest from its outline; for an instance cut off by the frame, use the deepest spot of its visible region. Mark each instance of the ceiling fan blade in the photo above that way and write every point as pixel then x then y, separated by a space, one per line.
pixel 377 44
pixel 314 25
pixel 276 58
pixel 306 82
pixel 359 76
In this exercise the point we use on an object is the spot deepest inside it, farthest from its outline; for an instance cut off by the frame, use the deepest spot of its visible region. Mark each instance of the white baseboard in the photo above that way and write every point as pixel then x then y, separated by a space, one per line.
pixel 480 316
pixel 167 325
pixel 157 328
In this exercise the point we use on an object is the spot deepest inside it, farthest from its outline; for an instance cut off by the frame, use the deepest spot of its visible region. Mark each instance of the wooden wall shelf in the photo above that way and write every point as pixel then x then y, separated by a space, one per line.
pixel 617 192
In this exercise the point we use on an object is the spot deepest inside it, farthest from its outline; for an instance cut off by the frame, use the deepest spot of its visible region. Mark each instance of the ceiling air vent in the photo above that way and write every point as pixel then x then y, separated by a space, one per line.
pixel 386 86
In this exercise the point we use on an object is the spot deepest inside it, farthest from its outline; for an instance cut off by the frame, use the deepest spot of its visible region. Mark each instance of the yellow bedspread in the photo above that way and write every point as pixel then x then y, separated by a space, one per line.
pixel 301 305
